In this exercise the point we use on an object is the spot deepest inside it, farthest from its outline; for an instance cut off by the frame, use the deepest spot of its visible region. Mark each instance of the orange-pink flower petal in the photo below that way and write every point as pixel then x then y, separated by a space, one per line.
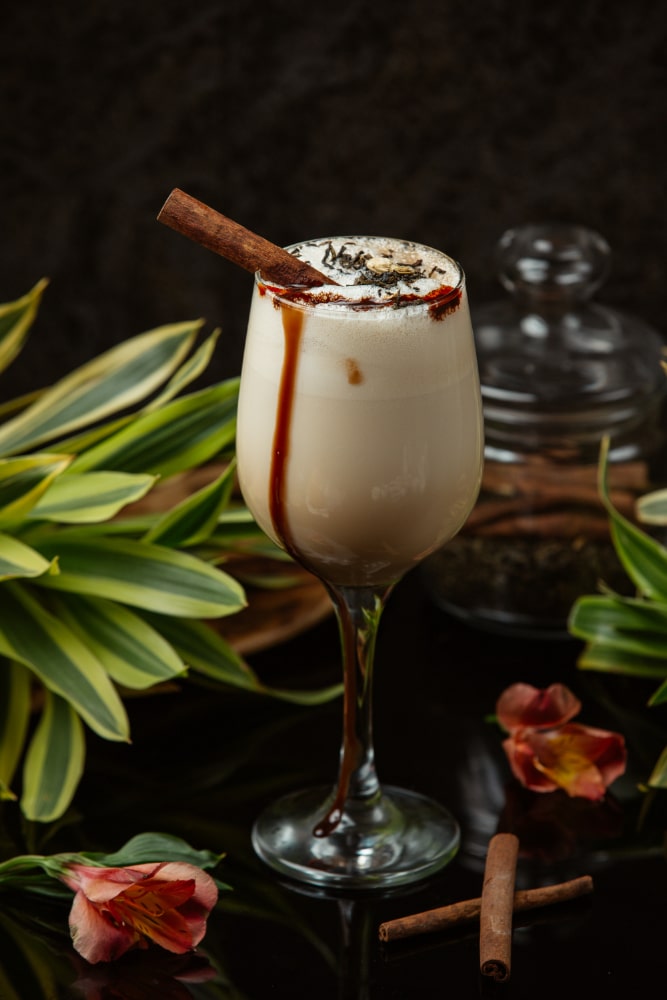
pixel 116 909
pixel 522 705
pixel 579 759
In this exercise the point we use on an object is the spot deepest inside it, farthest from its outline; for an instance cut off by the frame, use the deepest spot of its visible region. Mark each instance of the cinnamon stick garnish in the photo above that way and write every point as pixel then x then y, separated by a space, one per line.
pixel 495 917
pixel 445 918
pixel 203 225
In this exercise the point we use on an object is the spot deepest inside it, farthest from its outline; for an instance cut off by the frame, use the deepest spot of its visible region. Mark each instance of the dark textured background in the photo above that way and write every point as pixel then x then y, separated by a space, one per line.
pixel 438 121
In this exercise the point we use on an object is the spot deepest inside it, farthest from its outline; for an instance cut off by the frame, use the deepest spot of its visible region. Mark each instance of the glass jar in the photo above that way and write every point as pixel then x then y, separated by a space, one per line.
pixel 559 373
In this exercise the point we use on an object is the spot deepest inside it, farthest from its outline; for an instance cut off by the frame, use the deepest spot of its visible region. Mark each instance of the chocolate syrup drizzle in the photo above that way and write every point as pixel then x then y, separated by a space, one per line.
pixel 293 331
pixel 440 301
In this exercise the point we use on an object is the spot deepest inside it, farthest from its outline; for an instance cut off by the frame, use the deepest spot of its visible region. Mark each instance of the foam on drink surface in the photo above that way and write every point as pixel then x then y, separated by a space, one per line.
pixel 381 270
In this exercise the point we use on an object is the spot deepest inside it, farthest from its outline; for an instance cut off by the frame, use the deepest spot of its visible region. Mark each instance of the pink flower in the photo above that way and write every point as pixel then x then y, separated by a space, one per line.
pixel 546 751
pixel 116 909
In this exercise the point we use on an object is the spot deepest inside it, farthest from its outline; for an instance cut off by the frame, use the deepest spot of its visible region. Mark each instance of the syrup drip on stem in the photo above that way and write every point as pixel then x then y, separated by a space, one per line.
pixel 358 610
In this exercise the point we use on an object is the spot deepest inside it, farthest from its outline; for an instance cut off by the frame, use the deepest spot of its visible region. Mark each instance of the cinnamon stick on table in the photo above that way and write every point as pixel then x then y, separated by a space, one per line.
pixel 495 918
pixel 203 225
pixel 444 918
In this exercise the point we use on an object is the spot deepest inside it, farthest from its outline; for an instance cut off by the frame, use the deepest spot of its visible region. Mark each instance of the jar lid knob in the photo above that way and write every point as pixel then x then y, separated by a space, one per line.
pixel 552 261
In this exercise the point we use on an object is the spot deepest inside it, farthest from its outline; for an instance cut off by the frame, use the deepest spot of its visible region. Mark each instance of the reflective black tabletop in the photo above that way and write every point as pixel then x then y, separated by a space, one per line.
pixel 204 762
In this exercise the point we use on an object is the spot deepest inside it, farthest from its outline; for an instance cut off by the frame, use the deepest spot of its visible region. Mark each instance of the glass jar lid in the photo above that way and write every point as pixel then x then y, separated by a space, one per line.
pixel 549 357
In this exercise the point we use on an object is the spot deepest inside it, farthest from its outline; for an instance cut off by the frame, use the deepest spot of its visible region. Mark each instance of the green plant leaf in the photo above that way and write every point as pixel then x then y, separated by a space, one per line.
pixel 607 658
pixel 190 370
pixel 238 531
pixel 16 318
pixel 90 497
pixel 183 434
pixel 148 847
pixel 140 574
pixel 90 436
pixel 24 480
pixel 19 560
pixel 208 653
pixel 54 762
pixel 193 520
pixel 34 637
pixel 658 778
pixel 8 407
pixel 133 653
pixel 659 697
pixel 643 558
pixel 14 718
pixel 652 508
pixel 635 626
pixel 110 383
pixel 193 367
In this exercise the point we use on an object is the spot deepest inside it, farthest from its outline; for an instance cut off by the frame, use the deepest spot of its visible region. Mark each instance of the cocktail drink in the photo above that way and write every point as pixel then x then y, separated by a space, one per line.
pixel 359 448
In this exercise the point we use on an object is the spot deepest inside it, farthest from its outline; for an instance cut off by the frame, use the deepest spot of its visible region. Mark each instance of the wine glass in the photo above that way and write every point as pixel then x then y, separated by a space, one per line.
pixel 359 447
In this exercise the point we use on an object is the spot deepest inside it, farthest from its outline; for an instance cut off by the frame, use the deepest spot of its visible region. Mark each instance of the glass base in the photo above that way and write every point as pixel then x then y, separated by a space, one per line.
pixel 397 838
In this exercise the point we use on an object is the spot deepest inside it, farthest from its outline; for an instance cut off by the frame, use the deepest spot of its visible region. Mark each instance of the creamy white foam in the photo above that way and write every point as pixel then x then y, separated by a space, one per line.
pixel 384 267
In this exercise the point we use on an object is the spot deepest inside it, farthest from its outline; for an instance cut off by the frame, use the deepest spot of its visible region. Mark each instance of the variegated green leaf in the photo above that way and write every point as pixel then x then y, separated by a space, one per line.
pixel 237 531
pixel 113 381
pixel 132 653
pixel 8 407
pixel 191 370
pixel 193 520
pixel 19 560
pixel 643 558
pixel 635 626
pixel 143 575
pixel 610 659
pixel 90 497
pixel 16 318
pixel 54 763
pixel 14 718
pixel 36 638
pixel 187 373
pixel 206 651
pixel 658 777
pixel 659 697
pixel 652 508
pixel 90 436
pixel 23 480
pixel 184 434
pixel 209 653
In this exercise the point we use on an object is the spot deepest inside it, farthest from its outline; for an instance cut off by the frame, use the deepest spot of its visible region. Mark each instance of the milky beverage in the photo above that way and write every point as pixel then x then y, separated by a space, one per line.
pixel 359 437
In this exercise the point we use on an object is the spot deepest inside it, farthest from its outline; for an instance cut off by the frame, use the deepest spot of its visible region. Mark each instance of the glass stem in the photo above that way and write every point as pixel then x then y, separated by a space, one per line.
pixel 358 610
